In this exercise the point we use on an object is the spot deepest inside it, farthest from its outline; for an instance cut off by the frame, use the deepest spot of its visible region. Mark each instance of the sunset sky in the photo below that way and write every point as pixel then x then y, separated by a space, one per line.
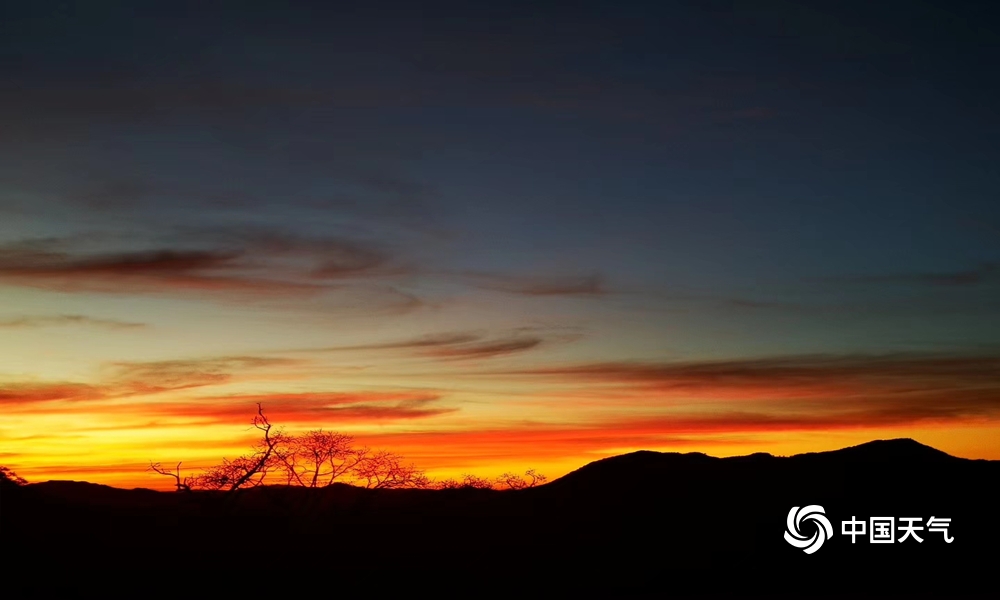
pixel 495 239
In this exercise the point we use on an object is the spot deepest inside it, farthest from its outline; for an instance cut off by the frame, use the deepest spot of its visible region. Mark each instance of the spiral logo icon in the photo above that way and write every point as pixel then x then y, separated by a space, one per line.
pixel 794 535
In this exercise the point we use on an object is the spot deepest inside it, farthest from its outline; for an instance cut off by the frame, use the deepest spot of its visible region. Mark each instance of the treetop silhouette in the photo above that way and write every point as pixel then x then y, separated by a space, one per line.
pixel 321 458
pixel 7 474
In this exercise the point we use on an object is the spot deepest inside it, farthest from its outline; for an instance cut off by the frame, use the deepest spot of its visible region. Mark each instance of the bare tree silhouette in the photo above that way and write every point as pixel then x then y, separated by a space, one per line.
pixel 182 486
pixel 313 459
pixel 385 470
pixel 248 470
pixel 513 481
pixel 317 458
pixel 467 481
pixel 321 458
pixel 507 481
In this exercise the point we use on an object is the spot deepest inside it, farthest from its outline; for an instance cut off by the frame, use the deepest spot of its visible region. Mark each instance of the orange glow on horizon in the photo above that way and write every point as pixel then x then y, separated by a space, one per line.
pixel 463 404
pixel 109 455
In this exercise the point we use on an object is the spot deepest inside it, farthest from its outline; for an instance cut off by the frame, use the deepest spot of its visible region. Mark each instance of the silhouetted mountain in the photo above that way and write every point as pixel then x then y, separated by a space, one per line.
pixel 903 449
pixel 637 518
pixel 636 469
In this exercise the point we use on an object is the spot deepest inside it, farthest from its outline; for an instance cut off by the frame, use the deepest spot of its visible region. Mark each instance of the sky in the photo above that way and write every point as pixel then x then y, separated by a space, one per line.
pixel 495 238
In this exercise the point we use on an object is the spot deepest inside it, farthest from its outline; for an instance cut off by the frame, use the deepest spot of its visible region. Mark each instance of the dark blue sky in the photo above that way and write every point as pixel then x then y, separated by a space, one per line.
pixel 832 159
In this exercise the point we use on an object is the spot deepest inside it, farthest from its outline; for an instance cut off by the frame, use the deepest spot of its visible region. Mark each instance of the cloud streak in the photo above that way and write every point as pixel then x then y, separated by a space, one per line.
pixel 139 272
pixel 257 265
pixel 983 273
pixel 246 265
pixel 32 321
pixel 585 285
pixel 308 409
pixel 131 379
pixel 450 346
pixel 484 350
pixel 26 394
pixel 429 341
pixel 792 373
pixel 805 392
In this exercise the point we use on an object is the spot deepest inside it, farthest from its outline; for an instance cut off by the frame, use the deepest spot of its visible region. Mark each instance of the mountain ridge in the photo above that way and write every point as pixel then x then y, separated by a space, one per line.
pixel 874 451
pixel 880 450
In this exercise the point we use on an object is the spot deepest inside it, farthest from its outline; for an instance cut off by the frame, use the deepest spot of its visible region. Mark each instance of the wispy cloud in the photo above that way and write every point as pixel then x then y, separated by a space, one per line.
pixel 304 409
pixel 140 272
pixel 130 379
pixel 21 394
pixel 793 375
pixel 258 265
pixel 429 341
pixel 556 285
pixel 489 349
pixel 59 320
pixel 806 392
pixel 155 377
pixel 456 345
pixel 416 408
pixel 983 273
pixel 254 264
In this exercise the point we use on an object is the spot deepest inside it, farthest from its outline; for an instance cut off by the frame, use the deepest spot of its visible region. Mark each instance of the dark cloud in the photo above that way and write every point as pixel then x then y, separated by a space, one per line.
pixel 124 264
pixel 251 264
pixel 244 266
pixel 837 390
pixel 984 273
pixel 154 271
pixel 488 349
pixel 349 261
pixel 451 346
pixel 429 341
pixel 779 418
pixel 586 285
pixel 792 371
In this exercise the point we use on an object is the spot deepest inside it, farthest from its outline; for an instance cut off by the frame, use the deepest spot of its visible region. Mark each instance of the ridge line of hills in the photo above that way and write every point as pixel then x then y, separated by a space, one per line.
pixel 898 449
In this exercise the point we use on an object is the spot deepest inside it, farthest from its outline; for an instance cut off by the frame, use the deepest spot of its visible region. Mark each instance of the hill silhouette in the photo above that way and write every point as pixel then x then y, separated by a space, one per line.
pixel 633 520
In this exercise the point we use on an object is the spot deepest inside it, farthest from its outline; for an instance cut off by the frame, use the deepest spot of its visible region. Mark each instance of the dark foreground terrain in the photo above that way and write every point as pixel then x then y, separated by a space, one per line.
pixel 659 522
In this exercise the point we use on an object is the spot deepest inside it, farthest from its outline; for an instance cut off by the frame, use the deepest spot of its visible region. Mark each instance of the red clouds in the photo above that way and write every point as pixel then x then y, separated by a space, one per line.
pixel 31 393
